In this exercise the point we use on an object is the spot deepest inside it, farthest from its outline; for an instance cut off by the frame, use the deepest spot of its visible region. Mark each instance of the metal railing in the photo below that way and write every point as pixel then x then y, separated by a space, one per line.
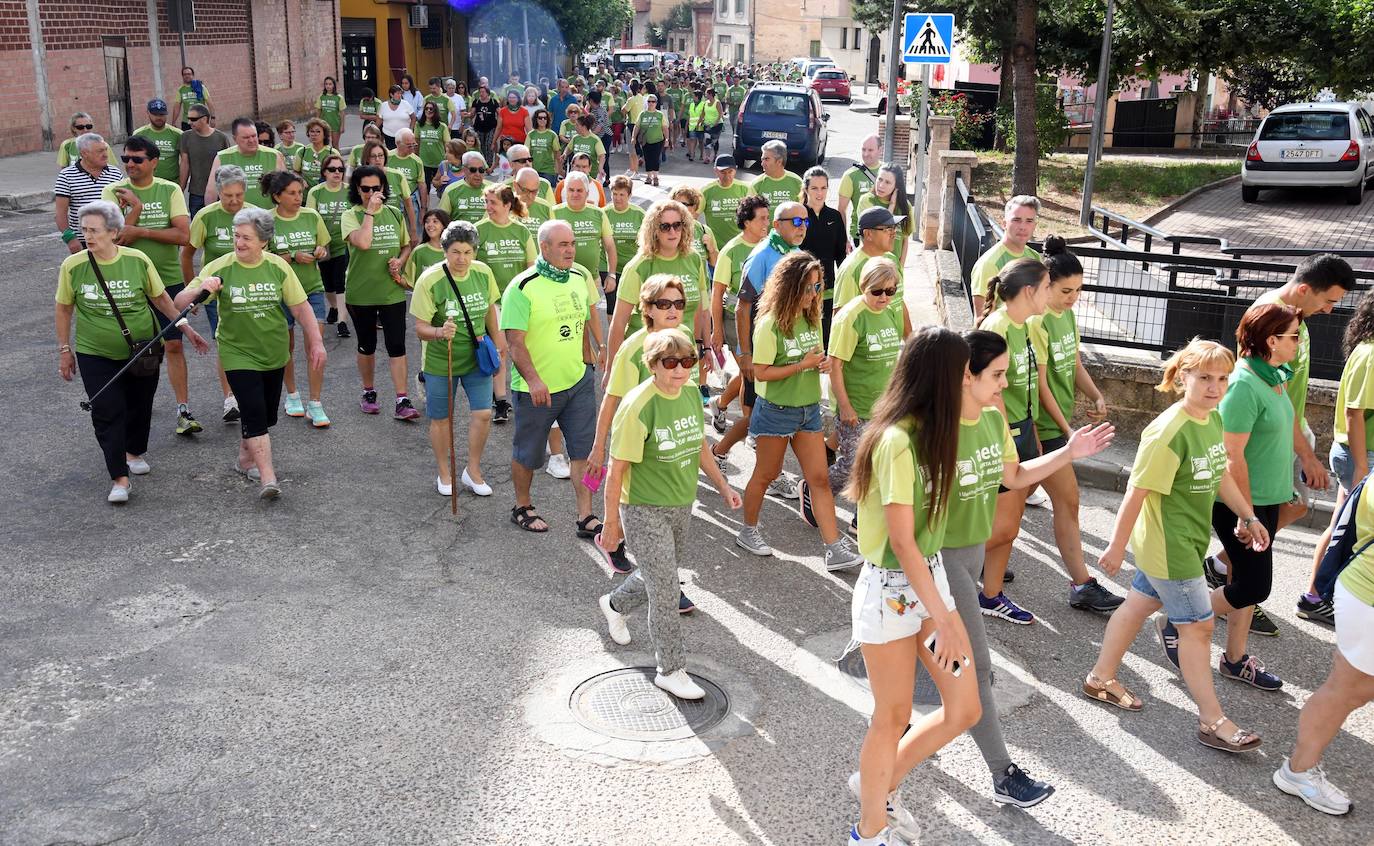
pixel 970 232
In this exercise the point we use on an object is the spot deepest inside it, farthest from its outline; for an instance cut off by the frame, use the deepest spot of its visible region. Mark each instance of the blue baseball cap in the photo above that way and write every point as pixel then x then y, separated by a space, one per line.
pixel 157 106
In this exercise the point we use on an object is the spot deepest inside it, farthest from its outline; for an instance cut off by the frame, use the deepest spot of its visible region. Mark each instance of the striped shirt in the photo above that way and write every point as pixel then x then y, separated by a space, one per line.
pixel 80 188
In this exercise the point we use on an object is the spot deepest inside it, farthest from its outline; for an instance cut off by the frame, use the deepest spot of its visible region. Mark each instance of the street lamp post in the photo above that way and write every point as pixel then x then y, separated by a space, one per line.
pixel 1085 217
pixel 894 56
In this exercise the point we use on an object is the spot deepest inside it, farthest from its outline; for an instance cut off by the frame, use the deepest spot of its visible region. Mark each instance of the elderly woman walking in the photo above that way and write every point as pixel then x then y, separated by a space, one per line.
pixel 254 346
pixel 122 413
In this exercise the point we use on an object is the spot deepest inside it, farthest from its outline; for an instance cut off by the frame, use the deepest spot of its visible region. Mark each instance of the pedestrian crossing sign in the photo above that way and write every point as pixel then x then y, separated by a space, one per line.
pixel 928 39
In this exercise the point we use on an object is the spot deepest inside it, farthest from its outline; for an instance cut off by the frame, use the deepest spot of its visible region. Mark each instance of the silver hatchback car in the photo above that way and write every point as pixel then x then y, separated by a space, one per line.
pixel 1323 145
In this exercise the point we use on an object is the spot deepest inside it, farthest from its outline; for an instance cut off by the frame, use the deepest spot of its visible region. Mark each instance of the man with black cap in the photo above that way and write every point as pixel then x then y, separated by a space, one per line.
pixel 720 200
pixel 877 231
pixel 168 141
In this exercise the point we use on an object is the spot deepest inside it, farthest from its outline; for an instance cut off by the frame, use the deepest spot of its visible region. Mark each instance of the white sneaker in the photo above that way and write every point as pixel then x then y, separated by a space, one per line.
pixel 119 494
pixel 615 621
pixel 680 685
pixel 886 837
pixel 139 466
pixel 558 467
pixel 783 488
pixel 751 539
pixel 898 817
pixel 231 409
pixel 443 489
pixel 1313 788
pixel 841 555
pixel 481 490
pixel 1038 499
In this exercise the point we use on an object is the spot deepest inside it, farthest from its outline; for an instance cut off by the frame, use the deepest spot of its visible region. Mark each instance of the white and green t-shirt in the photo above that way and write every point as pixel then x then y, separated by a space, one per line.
pixel 719 205
pixel 628 368
pixel 989 264
pixel 1022 394
pixel 368 281
pixel 589 226
pixel 506 250
pixel 729 267
pixel 785 189
pixel 775 347
pixel 1054 337
pixel 1356 390
pixel 857 181
pixel 254 166
pixel 163 202
pixel 660 437
pixel 553 316
pixel 252 326
pixel 847 278
pixel 690 268
pixel 898 479
pixel 301 234
pixel 463 202
pixel 985 448
pixel 868 342
pixel 132 280
pixel 168 141
pixel 331 204
pixel 625 232
pixel 434 302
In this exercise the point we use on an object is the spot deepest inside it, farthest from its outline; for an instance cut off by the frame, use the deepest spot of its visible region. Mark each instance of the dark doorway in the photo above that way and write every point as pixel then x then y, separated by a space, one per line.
pixel 1144 123
pixel 117 87
pixel 875 51
pixel 359 58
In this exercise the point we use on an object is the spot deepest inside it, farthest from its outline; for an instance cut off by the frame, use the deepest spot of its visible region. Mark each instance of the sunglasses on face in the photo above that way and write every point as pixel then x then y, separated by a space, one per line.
pixel 672 362
pixel 133 159
pixel 477 170
pixel 84 127
pixel 368 189
pixel 798 221
pixel 665 305
pixel 883 292
pixel 666 226
pixel 525 160
pixel 334 169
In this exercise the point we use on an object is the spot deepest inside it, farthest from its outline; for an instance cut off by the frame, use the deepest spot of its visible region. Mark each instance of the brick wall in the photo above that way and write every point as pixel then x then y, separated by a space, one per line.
pixel 295 45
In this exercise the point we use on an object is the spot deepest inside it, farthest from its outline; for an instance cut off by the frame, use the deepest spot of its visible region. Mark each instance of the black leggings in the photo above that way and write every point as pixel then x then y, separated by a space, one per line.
pixel 258 393
pixel 393 319
pixel 652 155
pixel 123 414
pixel 1251 573
pixel 333 270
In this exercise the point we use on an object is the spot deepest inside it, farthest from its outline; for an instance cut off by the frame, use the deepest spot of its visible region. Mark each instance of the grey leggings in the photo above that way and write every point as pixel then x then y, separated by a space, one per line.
pixel 963 567
pixel 844 456
pixel 658 537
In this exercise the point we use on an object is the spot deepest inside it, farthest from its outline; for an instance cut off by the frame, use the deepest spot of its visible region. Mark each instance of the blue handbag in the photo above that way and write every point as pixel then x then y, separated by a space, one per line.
pixel 484 348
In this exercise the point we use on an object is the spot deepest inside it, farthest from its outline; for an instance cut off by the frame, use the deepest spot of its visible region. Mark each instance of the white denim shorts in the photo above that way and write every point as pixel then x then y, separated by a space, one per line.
pixel 885 607
pixel 1354 629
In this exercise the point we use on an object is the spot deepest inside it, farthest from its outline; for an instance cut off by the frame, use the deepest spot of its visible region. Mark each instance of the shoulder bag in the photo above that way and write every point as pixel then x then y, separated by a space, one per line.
pixel 147 355
pixel 488 356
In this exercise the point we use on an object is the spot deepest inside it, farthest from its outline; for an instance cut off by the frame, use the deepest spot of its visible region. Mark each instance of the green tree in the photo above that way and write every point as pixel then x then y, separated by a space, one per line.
pixel 584 23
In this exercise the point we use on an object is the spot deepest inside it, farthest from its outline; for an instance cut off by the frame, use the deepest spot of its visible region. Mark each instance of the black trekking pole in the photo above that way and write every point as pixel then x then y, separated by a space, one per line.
pixel 200 298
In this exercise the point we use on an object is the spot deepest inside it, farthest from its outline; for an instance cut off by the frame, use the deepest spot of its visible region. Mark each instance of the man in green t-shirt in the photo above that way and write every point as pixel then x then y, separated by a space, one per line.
pixel 167 138
pixel 857 181
pixel 246 154
pixel 192 91
pixel 720 200
pixel 156 223
pixel 407 160
pixel 464 198
pixel 545 311
pixel 529 188
pixel 591 229
pixel 877 231
pixel 776 185
pixel 1020 216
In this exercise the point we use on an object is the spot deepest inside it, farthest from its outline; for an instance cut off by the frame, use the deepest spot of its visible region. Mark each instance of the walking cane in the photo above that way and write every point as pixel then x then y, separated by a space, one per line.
pixel 452 453
pixel 200 298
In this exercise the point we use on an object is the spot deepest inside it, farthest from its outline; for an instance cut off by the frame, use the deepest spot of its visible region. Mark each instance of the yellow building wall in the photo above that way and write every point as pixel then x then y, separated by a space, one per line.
pixel 420 63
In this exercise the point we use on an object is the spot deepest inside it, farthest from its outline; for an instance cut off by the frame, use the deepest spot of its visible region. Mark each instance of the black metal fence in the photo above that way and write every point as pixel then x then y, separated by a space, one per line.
pixel 1143 291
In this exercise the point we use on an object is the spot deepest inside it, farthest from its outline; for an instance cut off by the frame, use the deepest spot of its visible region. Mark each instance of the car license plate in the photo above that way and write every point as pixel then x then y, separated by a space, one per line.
pixel 781 136
pixel 1301 153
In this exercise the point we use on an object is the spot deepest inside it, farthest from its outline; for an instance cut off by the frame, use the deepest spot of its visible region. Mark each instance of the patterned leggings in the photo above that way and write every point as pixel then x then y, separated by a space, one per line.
pixel 658 537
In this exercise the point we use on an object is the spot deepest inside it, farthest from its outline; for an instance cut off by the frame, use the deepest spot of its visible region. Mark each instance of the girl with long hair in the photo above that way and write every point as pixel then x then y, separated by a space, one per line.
pixel 901 610
pixel 889 192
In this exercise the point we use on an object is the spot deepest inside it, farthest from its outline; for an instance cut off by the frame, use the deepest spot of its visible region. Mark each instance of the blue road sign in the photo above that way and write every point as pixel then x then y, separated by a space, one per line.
pixel 928 39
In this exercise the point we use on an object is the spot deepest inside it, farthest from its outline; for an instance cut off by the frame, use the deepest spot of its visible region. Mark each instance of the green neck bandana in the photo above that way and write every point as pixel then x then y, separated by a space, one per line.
pixel 1272 376
pixel 543 268
pixel 779 243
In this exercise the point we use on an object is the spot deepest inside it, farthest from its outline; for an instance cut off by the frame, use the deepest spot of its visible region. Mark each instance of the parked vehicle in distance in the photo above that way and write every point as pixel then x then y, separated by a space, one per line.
pixel 832 83
pixel 635 60
pixel 1311 145
pixel 775 111
pixel 812 66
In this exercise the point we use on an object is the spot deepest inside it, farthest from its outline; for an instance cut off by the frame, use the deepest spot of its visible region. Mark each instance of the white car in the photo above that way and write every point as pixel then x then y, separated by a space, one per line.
pixel 1323 145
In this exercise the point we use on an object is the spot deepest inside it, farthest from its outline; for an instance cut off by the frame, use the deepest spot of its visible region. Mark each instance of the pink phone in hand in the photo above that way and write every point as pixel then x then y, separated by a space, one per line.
pixel 591 480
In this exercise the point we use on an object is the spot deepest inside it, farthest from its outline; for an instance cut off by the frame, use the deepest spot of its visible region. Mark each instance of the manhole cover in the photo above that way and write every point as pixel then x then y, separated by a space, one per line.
pixel 851 663
pixel 625 704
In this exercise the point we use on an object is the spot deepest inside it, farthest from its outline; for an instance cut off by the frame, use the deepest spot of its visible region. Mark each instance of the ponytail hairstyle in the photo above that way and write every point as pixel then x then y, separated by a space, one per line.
pixel 1200 354
pixel 1059 261
pixel 983 349
pixel 1006 286
pixel 1361 325
pixel 274 182
pixel 927 385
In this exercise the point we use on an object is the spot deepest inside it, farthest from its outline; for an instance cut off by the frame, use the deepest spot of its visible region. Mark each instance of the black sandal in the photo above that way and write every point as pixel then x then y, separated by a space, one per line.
pixel 588 532
pixel 524 517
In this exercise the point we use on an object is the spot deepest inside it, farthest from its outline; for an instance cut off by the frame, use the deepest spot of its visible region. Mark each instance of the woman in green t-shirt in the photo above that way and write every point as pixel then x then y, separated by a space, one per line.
pixel 454 299
pixel 371 132
pixel 122 413
pixel 865 337
pixel 1059 375
pixel 1016 294
pixel 1258 420
pixel 430 251
pixel 648 136
pixel 432 133
pixel 368 104
pixel 544 147
pixel 788 362
pixel 329 107
pixel 626 220
pixel 901 611
pixel 1180 470
pixel 886 194
pixel 986 458
pixel 286 144
pixel 253 342
pixel 330 199
pixel 301 237
pixel 311 156
pixel 658 443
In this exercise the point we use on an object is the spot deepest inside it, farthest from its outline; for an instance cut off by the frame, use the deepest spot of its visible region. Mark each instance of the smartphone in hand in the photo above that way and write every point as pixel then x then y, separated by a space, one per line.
pixel 956 668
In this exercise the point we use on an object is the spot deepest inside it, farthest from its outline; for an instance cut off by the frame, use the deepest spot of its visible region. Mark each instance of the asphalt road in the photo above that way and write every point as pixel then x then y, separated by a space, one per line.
pixel 353 665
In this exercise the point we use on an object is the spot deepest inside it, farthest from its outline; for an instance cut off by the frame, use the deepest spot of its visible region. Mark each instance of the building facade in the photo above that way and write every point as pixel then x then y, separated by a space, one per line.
pixel 383 41
pixel 264 58
pixel 733 33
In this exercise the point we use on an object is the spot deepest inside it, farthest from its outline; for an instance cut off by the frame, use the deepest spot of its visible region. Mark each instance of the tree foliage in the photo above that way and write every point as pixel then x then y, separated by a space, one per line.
pixel 1272 83
pixel 585 23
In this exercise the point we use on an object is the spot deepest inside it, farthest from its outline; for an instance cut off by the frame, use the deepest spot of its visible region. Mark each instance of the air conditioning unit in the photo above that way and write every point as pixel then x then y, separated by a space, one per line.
pixel 419 16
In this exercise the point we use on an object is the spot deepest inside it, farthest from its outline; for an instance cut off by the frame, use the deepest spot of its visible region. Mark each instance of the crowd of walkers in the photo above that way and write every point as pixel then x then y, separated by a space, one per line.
pixel 595 329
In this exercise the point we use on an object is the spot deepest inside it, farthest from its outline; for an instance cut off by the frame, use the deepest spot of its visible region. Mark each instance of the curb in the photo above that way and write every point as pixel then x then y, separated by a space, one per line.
pixel 29 200
pixel 1201 189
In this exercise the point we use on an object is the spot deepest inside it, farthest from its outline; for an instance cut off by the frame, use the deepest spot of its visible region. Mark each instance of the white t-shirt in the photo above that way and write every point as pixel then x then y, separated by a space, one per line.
pixel 394 119
pixel 456 107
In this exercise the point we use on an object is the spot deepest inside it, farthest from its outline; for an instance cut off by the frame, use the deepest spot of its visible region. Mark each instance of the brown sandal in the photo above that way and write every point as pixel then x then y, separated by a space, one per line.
pixel 1243 740
pixel 1098 690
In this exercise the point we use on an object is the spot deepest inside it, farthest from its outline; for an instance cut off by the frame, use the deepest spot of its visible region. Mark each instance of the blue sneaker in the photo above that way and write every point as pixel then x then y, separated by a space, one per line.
pixel 1003 608
pixel 1249 670
pixel 684 605
pixel 1168 638
pixel 1017 788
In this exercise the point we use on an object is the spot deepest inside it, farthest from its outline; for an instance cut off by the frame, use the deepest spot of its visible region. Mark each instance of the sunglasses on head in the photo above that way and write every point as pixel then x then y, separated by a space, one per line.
pixel 334 169
pixel 798 221
pixel 477 170
pixel 664 305
pixel 672 362
pixel 667 226
pixel 883 292
pixel 133 159
pixel 84 127
pixel 368 189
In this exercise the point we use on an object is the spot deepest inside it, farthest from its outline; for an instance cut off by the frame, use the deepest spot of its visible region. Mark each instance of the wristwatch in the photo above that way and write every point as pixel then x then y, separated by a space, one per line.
pixel 64 348
pixel 1247 521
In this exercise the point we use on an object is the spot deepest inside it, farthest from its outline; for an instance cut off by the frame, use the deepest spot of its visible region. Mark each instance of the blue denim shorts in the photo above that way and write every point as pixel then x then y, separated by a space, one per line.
pixel 1343 464
pixel 316 301
pixel 475 384
pixel 783 421
pixel 1184 600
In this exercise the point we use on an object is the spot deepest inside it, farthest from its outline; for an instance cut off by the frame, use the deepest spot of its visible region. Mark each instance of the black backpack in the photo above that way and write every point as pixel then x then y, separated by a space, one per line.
pixel 1341 550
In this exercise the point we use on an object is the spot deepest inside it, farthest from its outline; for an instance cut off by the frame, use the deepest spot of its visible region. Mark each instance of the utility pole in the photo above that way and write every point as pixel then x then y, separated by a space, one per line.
pixel 1085 217
pixel 894 55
